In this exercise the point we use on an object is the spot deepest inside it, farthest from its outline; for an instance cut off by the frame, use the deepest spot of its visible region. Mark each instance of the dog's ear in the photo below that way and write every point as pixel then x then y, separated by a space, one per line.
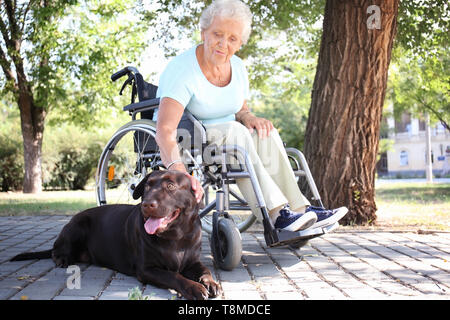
pixel 201 204
pixel 194 203
pixel 139 189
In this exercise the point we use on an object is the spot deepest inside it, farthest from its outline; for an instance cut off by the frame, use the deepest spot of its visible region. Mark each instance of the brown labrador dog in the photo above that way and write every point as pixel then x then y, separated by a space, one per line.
pixel 158 240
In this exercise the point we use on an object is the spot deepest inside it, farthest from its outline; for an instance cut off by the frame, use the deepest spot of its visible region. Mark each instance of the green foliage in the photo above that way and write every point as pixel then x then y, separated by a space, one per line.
pixel 136 294
pixel 11 162
pixel 423 26
pixel 74 168
pixel 69 154
pixel 285 100
pixel 100 38
pixel 421 85
pixel 70 157
pixel 289 118
pixel 70 49
pixel 282 32
pixel 11 153
pixel 419 80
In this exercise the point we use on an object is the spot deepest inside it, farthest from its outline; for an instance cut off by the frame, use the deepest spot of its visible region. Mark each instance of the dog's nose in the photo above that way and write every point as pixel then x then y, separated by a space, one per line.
pixel 152 204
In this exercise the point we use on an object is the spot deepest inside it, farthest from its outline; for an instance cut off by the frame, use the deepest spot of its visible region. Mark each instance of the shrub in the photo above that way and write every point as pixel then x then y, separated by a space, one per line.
pixel 73 168
pixel 69 157
pixel 11 163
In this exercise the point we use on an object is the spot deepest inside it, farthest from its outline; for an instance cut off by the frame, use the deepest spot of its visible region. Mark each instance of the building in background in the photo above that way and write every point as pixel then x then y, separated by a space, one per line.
pixel 407 156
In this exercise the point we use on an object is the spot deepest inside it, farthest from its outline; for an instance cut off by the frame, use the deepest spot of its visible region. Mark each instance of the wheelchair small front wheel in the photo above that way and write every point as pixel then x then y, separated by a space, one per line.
pixel 226 247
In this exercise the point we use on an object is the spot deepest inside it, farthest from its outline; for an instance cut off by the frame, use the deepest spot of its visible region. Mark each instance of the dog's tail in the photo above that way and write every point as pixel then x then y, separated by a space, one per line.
pixel 47 254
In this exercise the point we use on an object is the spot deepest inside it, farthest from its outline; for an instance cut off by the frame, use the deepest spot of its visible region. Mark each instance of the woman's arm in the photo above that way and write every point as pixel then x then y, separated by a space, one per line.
pixel 169 115
pixel 248 119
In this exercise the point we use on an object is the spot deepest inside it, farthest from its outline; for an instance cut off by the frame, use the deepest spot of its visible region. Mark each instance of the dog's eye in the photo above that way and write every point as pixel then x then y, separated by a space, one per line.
pixel 171 186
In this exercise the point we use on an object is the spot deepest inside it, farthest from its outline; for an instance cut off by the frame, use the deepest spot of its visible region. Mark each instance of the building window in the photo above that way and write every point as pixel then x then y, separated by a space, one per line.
pixel 404 158
pixel 401 125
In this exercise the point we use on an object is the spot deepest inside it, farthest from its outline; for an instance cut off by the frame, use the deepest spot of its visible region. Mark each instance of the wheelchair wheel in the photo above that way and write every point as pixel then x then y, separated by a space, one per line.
pixel 124 162
pixel 230 245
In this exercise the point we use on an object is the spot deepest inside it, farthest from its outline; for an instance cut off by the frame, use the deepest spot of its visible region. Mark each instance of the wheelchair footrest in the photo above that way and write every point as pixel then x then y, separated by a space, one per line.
pixel 286 237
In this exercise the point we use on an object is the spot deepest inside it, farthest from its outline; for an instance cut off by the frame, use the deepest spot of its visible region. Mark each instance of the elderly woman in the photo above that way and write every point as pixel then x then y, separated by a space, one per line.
pixel 212 83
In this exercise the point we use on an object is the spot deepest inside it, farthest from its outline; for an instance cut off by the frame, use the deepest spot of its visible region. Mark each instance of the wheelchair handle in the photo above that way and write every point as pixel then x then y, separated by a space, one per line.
pixel 124 71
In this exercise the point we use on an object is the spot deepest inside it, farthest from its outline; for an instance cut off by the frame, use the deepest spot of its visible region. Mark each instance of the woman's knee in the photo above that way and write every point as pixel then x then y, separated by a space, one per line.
pixel 238 134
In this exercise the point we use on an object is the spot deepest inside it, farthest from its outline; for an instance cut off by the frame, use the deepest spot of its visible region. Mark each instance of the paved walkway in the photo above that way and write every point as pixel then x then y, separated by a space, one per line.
pixel 340 265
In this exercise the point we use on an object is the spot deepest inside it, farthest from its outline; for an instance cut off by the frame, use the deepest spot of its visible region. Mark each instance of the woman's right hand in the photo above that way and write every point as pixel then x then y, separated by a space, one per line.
pixel 197 187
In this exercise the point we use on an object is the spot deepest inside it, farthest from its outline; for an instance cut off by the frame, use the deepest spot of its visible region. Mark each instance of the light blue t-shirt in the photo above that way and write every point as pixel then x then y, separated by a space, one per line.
pixel 184 81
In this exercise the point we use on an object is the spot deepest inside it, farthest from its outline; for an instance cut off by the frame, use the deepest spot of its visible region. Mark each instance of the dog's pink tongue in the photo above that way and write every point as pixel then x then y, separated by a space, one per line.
pixel 152 224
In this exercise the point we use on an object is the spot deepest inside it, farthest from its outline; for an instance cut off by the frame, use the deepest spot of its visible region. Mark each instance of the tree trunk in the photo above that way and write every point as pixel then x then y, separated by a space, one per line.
pixel 342 133
pixel 32 122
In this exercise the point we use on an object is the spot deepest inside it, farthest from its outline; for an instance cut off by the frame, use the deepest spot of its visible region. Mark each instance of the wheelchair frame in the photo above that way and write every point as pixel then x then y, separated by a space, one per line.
pixel 225 236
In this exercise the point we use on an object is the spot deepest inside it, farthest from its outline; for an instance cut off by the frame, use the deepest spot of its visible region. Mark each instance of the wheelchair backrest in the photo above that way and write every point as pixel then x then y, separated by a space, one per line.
pixel 191 133
pixel 144 91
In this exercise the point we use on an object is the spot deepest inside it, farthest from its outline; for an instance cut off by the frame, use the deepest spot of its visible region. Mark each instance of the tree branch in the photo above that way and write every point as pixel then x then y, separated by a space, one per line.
pixel 6 66
pixel 25 12
pixel 4 31
pixel 10 10
pixel 437 114
pixel 5 63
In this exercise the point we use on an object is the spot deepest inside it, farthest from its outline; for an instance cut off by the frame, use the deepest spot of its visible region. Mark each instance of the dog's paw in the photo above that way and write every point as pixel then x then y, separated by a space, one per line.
pixel 61 260
pixel 212 286
pixel 194 291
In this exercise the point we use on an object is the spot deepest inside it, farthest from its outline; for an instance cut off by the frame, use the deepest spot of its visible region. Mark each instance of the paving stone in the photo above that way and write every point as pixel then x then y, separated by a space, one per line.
pixel 242 295
pixel 38 291
pixel 155 293
pixel 91 289
pixel 284 296
pixel 340 265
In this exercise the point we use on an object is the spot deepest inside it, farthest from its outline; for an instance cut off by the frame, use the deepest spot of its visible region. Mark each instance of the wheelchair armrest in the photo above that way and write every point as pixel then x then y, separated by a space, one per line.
pixel 142 105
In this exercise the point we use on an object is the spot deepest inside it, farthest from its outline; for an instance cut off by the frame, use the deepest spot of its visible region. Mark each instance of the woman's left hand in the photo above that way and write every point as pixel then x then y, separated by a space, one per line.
pixel 262 126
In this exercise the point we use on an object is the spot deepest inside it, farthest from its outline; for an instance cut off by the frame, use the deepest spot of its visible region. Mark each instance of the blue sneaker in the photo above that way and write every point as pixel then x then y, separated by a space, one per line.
pixel 327 217
pixel 293 221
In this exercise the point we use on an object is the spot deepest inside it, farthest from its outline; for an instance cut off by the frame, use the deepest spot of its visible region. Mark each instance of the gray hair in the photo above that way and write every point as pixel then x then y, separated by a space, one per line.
pixel 233 9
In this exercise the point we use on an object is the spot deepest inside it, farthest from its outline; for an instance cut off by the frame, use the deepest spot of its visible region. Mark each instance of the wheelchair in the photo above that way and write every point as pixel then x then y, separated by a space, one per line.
pixel 131 153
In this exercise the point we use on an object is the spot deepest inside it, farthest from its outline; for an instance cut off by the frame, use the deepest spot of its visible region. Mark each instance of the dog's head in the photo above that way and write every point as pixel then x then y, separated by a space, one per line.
pixel 168 202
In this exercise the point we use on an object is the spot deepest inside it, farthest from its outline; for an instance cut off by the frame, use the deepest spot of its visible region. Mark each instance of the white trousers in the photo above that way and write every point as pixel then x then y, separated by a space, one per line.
pixel 270 161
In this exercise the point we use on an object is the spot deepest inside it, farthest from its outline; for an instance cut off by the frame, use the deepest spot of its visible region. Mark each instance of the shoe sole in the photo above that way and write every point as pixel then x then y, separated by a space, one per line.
pixel 340 213
pixel 304 222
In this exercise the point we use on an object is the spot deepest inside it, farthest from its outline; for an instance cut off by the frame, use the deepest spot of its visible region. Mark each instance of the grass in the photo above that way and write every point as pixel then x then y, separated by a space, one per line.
pixel 400 205
pixel 413 205
pixel 46 203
